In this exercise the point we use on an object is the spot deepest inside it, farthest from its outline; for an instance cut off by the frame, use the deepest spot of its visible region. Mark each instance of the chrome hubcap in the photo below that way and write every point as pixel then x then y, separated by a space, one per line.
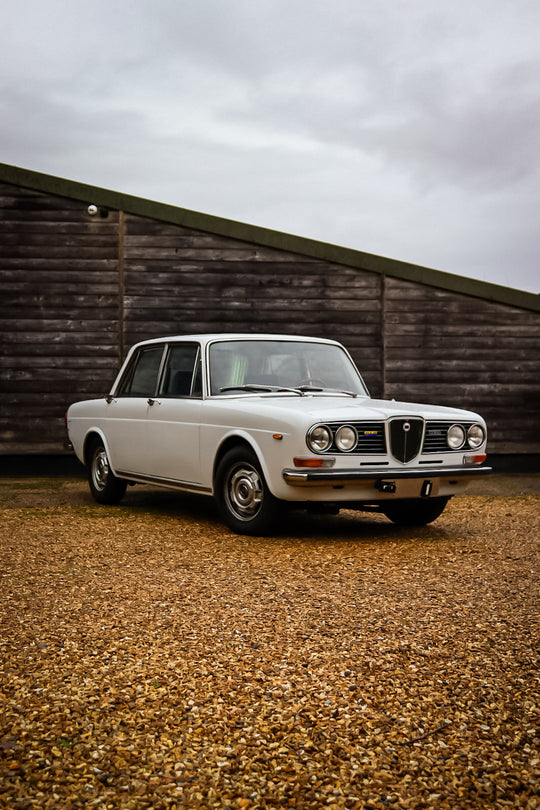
pixel 244 491
pixel 100 469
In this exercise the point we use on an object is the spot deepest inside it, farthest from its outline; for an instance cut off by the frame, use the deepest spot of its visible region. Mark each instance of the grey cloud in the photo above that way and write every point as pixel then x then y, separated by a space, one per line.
pixel 403 128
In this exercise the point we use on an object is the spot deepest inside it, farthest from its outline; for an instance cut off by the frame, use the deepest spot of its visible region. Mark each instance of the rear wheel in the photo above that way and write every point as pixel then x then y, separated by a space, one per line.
pixel 104 485
pixel 414 512
pixel 244 501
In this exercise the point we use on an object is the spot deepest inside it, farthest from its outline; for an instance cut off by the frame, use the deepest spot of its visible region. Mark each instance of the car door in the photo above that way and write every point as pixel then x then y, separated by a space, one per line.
pixel 126 429
pixel 174 418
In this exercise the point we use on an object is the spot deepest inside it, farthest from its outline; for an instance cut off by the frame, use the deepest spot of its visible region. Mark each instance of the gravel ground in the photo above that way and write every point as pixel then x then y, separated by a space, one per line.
pixel 152 659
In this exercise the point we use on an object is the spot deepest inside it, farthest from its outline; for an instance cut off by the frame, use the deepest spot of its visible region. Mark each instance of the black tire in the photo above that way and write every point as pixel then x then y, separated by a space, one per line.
pixel 104 485
pixel 415 512
pixel 244 501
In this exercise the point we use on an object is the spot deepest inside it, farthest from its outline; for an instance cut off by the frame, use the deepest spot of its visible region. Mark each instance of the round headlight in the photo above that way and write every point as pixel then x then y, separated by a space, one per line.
pixel 476 436
pixel 319 438
pixel 455 438
pixel 346 438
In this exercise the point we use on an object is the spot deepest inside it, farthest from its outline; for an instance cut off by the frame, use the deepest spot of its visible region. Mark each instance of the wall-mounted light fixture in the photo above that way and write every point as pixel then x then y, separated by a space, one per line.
pixel 96 210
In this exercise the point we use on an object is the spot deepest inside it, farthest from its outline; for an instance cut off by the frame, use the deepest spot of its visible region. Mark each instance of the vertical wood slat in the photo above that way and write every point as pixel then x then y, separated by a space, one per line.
pixel 121 290
pixel 384 383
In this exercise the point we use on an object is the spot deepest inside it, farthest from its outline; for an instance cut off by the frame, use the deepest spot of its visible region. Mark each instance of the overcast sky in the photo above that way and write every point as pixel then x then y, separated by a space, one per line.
pixel 405 128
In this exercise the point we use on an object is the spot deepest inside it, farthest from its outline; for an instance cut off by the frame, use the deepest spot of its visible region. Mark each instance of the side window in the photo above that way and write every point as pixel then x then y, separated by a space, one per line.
pixel 141 377
pixel 182 376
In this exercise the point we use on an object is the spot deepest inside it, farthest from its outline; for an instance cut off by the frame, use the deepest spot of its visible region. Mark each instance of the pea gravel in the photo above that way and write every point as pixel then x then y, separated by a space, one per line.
pixel 152 659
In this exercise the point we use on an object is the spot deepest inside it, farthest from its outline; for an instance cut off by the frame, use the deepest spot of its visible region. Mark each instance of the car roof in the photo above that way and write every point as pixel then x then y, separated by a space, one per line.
pixel 209 338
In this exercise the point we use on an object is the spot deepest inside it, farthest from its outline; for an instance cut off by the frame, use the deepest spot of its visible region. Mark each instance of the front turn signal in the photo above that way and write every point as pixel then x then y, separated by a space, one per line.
pixel 314 462
pixel 474 459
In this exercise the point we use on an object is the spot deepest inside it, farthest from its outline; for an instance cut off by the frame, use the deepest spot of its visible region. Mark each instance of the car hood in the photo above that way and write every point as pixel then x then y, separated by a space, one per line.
pixel 323 408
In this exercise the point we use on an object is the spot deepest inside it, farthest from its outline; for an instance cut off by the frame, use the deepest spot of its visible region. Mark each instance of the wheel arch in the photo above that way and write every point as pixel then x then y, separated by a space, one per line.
pixel 228 444
pixel 93 435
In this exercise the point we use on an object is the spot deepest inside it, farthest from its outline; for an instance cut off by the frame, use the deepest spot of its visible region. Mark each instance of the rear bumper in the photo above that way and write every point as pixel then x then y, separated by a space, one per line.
pixel 326 477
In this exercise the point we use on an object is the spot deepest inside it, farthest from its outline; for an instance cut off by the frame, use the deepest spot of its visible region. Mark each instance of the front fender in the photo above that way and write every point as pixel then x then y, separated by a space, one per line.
pixel 263 445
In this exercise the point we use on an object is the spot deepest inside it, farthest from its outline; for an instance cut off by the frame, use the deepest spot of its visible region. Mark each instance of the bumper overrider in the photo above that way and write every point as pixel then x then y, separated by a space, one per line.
pixel 382 479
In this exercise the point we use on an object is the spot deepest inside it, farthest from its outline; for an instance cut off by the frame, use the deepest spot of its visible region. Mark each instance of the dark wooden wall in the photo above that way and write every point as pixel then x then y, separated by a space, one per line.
pixel 182 281
pixel 451 349
pixel 77 291
pixel 58 314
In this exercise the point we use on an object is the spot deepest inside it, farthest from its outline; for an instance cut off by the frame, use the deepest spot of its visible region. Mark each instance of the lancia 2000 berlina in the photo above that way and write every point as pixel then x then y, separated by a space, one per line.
pixel 261 421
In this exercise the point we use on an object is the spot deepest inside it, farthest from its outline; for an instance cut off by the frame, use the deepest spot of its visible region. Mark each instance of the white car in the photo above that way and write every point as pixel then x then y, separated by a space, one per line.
pixel 260 421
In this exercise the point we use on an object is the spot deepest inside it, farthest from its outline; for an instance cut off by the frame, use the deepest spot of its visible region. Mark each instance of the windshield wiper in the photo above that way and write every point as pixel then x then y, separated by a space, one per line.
pixel 312 389
pixel 302 390
pixel 246 387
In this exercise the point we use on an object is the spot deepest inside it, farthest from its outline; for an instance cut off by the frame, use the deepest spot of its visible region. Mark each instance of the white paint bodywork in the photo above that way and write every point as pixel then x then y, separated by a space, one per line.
pixel 175 441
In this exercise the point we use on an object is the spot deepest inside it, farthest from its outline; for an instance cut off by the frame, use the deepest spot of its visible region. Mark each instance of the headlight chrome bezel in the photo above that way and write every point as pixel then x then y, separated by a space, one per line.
pixel 476 443
pixel 456 437
pixel 346 445
pixel 460 436
pixel 324 443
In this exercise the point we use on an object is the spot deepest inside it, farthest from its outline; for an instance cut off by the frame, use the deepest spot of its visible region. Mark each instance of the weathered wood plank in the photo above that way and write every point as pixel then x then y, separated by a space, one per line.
pixel 56 230
pixel 45 325
pixel 53 263
pixel 56 253
pixel 175 274
pixel 91 342
pixel 29 303
pixel 59 385
pixel 28 363
pixel 56 240
pixel 239 297
pixel 473 330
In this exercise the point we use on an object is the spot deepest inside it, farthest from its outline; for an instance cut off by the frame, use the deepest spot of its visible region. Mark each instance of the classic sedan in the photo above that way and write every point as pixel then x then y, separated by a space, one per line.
pixel 262 421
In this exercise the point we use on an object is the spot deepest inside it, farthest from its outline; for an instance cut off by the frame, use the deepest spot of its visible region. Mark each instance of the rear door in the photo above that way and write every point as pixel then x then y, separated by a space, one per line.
pixel 126 429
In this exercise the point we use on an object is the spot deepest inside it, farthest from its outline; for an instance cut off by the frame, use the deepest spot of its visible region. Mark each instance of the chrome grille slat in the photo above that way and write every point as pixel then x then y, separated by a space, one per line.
pixel 371 437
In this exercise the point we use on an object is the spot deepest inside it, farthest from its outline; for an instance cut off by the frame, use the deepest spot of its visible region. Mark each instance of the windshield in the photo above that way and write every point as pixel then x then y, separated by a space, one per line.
pixel 261 365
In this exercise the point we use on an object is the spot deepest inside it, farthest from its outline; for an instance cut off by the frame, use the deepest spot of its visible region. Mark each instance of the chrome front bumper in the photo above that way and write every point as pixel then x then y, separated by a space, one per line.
pixel 380 477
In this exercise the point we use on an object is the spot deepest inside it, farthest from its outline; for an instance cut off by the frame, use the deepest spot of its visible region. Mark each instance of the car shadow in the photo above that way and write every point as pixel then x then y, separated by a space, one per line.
pixel 295 524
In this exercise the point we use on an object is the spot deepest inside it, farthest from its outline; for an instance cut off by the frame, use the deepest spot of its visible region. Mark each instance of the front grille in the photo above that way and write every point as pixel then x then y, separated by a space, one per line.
pixel 371 438
pixel 435 436
pixel 406 438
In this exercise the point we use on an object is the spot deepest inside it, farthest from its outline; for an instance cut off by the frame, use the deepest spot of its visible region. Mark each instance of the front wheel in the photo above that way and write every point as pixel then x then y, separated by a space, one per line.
pixel 414 512
pixel 244 501
pixel 104 485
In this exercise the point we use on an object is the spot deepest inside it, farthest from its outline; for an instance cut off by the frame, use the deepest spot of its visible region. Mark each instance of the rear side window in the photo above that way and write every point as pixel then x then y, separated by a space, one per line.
pixel 141 376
